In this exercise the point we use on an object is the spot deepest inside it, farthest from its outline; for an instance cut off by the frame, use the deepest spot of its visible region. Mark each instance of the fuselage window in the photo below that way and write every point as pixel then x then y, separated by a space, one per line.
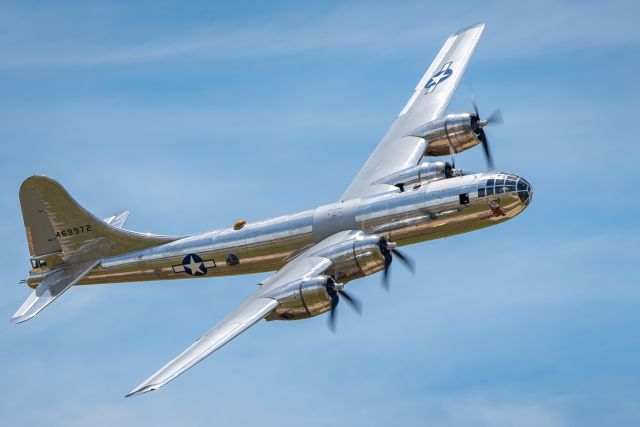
pixel 480 192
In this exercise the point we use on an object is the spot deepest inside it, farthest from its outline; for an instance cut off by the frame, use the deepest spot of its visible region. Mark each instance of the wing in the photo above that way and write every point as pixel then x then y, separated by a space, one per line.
pixel 430 98
pixel 255 308
pixel 243 317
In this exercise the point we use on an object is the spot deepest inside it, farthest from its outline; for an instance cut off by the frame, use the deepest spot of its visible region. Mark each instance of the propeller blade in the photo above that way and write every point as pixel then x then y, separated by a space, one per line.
pixel 353 302
pixel 495 118
pixel 487 151
pixel 332 320
pixel 475 106
pixel 408 262
pixel 479 124
pixel 388 258
pixel 385 279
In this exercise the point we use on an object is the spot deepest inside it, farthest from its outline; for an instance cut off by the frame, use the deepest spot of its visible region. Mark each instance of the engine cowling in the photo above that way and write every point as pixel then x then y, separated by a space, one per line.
pixel 418 175
pixel 303 298
pixel 356 257
pixel 455 131
pixel 352 258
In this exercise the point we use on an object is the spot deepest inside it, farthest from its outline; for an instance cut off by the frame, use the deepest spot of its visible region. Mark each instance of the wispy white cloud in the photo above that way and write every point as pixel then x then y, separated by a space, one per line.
pixel 357 27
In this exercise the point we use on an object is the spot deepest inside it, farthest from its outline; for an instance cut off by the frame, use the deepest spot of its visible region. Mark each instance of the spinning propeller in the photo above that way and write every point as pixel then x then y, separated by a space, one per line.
pixel 335 291
pixel 478 127
pixel 388 250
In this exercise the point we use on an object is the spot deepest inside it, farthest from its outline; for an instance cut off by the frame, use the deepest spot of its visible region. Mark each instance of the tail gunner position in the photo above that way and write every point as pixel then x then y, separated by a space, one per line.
pixel 396 199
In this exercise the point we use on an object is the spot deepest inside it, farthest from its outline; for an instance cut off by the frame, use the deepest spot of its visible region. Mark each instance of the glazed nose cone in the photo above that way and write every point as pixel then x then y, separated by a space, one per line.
pixel 525 191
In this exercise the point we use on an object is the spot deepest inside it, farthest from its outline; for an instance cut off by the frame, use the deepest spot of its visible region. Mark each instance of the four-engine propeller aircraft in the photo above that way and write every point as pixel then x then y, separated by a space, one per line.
pixel 394 200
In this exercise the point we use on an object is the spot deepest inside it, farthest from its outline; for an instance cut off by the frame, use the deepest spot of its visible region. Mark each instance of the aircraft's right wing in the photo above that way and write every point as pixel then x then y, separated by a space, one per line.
pixel 398 150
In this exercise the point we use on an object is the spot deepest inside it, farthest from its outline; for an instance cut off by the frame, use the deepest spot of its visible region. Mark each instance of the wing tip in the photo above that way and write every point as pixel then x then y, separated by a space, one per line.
pixel 19 318
pixel 141 389
pixel 479 25
pixel 26 310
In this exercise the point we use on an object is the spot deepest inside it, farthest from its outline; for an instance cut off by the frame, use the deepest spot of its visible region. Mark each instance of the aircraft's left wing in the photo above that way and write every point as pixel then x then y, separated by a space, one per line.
pixel 256 307
pixel 243 317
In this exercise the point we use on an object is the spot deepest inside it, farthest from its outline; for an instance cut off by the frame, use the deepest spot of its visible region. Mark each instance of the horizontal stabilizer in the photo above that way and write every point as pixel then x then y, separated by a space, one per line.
pixel 118 219
pixel 52 287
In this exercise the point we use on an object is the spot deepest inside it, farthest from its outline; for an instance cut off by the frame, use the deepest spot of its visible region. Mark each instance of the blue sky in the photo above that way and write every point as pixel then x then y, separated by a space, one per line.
pixel 194 115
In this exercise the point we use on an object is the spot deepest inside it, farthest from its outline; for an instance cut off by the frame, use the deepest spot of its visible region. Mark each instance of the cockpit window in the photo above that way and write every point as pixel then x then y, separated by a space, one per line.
pixel 489 191
pixel 510 182
pixel 499 181
pixel 524 191
pixel 523 196
pixel 499 190
pixel 480 192
pixel 490 182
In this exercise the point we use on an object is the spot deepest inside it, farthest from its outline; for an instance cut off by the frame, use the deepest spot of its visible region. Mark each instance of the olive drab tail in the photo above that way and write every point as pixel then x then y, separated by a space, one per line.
pixel 66 241
pixel 56 224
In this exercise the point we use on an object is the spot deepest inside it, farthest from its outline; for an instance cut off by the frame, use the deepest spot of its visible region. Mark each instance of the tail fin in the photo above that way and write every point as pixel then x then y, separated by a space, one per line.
pixel 66 242
pixel 56 224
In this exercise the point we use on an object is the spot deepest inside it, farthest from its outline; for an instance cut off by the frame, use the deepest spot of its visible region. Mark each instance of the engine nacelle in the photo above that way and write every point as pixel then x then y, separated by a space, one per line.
pixel 355 258
pixel 302 298
pixel 418 175
pixel 351 258
pixel 455 131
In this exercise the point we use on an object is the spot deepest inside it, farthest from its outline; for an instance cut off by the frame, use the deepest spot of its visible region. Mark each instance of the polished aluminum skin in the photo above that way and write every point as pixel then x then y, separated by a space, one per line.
pixel 429 212
pixel 394 200
pixel 452 134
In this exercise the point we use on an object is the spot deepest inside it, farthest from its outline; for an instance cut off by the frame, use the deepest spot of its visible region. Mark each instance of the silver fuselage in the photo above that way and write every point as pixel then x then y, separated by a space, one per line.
pixel 433 210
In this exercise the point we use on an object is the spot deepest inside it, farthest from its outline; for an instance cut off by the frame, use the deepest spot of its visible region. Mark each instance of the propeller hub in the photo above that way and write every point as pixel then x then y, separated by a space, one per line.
pixel 336 291
pixel 388 250
pixel 478 124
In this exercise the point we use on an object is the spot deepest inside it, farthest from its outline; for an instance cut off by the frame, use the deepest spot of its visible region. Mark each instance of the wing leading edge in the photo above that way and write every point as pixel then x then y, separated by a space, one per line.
pixel 238 321
pixel 397 151
pixel 251 311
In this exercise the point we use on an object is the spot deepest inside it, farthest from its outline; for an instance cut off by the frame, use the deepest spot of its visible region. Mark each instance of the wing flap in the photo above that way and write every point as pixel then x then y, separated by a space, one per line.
pixel 238 321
